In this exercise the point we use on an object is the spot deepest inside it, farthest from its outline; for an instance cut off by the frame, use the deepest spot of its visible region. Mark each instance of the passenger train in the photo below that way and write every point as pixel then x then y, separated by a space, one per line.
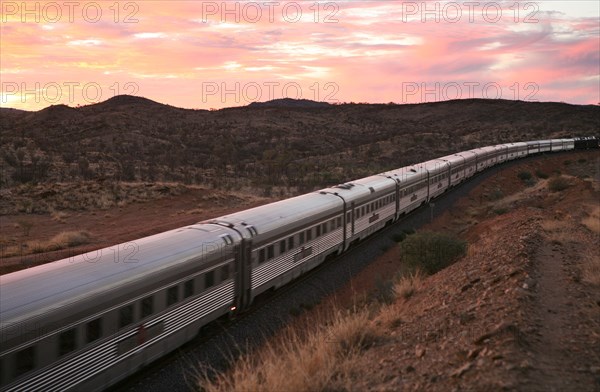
pixel 88 321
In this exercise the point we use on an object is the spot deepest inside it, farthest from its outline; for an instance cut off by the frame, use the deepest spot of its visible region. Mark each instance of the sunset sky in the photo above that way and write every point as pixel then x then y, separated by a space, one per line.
pixel 197 54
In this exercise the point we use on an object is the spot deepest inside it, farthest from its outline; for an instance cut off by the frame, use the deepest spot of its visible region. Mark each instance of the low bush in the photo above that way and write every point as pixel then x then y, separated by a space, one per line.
pixel 500 210
pixel 431 252
pixel 524 175
pixel 558 184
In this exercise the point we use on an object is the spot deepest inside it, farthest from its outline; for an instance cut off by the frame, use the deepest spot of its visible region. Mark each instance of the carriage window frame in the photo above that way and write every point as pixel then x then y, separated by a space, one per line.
pixel 189 288
pixel 270 252
pixel 209 279
pixel 25 361
pixel 147 306
pixel 67 342
pixel 224 271
pixel 172 295
pixel 282 246
pixel 126 316
pixel 93 330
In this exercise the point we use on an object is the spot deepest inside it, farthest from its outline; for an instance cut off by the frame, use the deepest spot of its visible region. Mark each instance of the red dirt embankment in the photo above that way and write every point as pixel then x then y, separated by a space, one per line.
pixel 522 310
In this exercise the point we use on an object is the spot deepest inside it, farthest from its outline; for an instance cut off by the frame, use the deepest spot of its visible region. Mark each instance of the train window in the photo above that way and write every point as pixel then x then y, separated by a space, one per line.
pixel 25 361
pixel 188 288
pixel 324 226
pixel 348 218
pixel 318 231
pixel 339 222
pixel 281 246
pixel 224 273
pixel 333 226
pixel 147 306
pixel 291 243
pixel 270 251
pixel 209 279
pixel 261 256
pixel 173 295
pixel 125 316
pixel 67 341
pixel 309 234
pixel 301 239
pixel 93 330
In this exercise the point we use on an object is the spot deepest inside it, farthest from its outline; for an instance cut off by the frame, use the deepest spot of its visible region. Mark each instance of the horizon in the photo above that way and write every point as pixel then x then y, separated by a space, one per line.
pixel 215 55
pixel 277 99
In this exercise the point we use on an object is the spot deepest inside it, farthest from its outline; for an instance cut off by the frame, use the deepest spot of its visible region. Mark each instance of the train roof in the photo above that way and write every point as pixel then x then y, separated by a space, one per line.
pixel 434 166
pixel 36 292
pixel 286 213
pixel 452 159
pixel 407 175
pixel 362 188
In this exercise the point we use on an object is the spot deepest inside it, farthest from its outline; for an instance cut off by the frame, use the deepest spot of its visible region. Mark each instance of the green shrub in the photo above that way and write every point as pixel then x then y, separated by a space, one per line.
pixel 399 237
pixel 500 210
pixel 430 251
pixel 496 194
pixel 524 175
pixel 541 174
pixel 558 184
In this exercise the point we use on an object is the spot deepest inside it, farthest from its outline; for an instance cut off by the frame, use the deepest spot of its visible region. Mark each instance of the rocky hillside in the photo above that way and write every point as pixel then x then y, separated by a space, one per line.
pixel 294 145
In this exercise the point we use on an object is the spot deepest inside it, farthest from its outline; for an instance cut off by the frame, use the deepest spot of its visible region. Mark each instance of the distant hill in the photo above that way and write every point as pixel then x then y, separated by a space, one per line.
pixel 290 103
pixel 283 143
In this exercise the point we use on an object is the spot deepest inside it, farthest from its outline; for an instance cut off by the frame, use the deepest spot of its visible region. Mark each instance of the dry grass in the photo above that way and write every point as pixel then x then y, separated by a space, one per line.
pixel 66 239
pixel 592 222
pixel 59 216
pixel 553 225
pixel 591 268
pixel 408 285
pixel 558 232
pixel 323 360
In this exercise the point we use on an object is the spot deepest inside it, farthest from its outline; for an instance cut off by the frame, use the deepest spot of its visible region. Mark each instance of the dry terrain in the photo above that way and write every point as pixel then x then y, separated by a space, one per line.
pixel 521 311
pixel 267 148
pixel 145 209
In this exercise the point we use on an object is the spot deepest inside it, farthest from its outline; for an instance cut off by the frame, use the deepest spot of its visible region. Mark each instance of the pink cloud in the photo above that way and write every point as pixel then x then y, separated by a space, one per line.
pixel 371 51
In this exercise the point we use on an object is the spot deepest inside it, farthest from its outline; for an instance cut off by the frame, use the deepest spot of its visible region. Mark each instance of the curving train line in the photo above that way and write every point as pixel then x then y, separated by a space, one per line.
pixel 86 322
